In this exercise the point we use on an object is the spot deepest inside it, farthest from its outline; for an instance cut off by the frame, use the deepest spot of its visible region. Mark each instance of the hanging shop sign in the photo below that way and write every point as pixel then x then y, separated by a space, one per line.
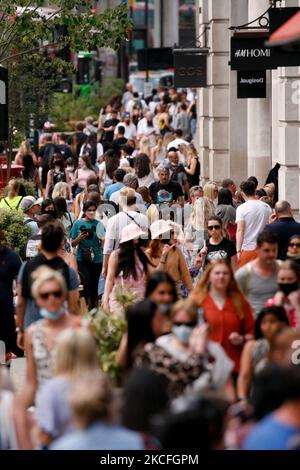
pixel 251 84
pixel 285 23
pixel 190 68
pixel 249 52
pixel 3 104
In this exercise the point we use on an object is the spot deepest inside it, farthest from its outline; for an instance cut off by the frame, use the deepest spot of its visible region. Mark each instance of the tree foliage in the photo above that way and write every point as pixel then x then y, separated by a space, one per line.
pixel 23 26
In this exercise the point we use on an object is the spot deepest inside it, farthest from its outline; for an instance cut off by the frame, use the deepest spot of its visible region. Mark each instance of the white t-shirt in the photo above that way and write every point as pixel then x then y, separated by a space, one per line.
pixel 115 198
pixel 176 142
pixel 256 215
pixel 130 130
pixel 115 226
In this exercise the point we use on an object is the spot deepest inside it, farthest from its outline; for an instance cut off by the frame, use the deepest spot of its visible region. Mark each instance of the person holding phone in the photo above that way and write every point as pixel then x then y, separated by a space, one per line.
pixel 88 234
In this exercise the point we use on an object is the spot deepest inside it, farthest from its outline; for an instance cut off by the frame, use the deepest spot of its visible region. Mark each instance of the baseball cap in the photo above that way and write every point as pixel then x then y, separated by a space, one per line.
pixel 126 114
pixel 28 202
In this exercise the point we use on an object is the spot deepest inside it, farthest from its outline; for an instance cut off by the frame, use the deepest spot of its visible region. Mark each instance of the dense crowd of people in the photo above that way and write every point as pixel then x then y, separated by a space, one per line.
pixel 209 352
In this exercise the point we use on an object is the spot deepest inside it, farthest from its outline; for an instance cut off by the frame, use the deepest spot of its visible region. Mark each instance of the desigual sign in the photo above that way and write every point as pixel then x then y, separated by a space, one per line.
pixel 251 84
pixel 190 70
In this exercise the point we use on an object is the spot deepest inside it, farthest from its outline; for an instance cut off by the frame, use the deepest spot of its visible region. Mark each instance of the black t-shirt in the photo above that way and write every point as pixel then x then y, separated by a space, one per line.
pixel 109 136
pixel 118 144
pixel 224 250
pixel 65 151
pixel 46 152
pixel 165 193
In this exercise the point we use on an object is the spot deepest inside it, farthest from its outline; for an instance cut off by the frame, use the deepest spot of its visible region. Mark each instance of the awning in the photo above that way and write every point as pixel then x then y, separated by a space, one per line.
pixel 287 34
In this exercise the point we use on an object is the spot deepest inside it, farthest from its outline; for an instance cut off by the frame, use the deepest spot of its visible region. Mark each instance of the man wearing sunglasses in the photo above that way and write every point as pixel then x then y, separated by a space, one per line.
pixel 284 226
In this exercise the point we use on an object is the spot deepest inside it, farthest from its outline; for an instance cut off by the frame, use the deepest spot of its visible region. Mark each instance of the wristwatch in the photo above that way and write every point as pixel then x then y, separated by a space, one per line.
pixel 19 330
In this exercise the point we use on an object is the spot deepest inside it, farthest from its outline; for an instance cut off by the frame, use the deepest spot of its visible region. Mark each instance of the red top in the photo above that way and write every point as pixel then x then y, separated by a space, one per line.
pixel 226 321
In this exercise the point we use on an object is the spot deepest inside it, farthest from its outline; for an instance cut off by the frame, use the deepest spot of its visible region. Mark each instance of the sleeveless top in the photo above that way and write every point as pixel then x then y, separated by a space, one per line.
pixel 193 180
pixel 42 357
pixel 259 354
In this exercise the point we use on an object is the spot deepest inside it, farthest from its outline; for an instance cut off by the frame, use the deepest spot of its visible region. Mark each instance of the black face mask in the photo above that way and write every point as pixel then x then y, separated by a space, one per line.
pixel 288 288
pixel 57 162
pixel 51 212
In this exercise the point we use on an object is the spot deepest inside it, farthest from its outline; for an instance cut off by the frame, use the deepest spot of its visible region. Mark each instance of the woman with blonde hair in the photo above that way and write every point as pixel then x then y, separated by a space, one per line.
pixel 49 291
pixel 93 406
pixel 210 191
pixel 225 309
pixel 25 149
pixel 158 152
pixel 75 354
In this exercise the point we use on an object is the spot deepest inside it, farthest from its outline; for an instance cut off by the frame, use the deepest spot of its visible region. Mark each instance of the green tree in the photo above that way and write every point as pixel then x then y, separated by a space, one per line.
pixel 24 31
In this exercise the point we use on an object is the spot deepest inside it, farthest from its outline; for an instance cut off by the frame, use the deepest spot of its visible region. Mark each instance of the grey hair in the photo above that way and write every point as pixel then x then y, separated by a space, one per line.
pixel 281 207
pixel 130 179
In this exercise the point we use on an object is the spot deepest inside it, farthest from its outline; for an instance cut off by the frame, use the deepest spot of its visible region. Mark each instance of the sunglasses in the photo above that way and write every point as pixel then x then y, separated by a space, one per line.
pixel 216 227
pixel 56 293
pixel 192 324
pixel 294 245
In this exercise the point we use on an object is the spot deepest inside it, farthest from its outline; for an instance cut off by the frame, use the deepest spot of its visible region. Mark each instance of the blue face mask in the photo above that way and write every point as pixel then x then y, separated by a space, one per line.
pixel 182 332
pixel 164 308
pixel 52 315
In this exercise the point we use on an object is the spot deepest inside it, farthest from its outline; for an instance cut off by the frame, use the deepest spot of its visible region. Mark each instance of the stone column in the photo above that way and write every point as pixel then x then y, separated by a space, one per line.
pixel 286 128
pixel 171 23
pixel 238 108
pixel 259 118
pixel 213 105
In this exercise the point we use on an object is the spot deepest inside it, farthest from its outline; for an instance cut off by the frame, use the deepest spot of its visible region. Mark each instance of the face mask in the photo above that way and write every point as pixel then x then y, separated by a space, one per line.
pixel 164 308
pixel 57 162
pixel 91 215
pixel 182 332
pixel 70 168
pixel 288 288
pixel 52 315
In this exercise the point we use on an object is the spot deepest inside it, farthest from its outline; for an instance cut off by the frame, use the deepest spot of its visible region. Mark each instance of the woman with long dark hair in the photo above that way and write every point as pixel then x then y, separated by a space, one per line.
pixel 143 170
pixel 31 173
pixel 128 265
pixel 227 212
pixel 107 168
pixel 56 174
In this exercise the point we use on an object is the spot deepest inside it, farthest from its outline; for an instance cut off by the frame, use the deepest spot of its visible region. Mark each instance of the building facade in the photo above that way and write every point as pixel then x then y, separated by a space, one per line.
pixel 242 137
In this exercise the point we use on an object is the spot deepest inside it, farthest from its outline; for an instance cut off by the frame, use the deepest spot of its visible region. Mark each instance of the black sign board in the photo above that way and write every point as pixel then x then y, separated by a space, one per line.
pixel 250 53
pixel 251 84
pixel 282 57
pixel 190 69
pixel 3 104
pixel 279 16
pixel 159 58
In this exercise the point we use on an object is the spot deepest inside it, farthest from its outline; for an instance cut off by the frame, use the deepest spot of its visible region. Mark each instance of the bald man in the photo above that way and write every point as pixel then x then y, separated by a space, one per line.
pixel 284 226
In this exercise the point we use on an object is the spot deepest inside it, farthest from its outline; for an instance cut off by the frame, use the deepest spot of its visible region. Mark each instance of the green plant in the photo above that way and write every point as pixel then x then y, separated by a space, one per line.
pixel 108 330
pixel 65 109
pixel 16 233
pixel 29 186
